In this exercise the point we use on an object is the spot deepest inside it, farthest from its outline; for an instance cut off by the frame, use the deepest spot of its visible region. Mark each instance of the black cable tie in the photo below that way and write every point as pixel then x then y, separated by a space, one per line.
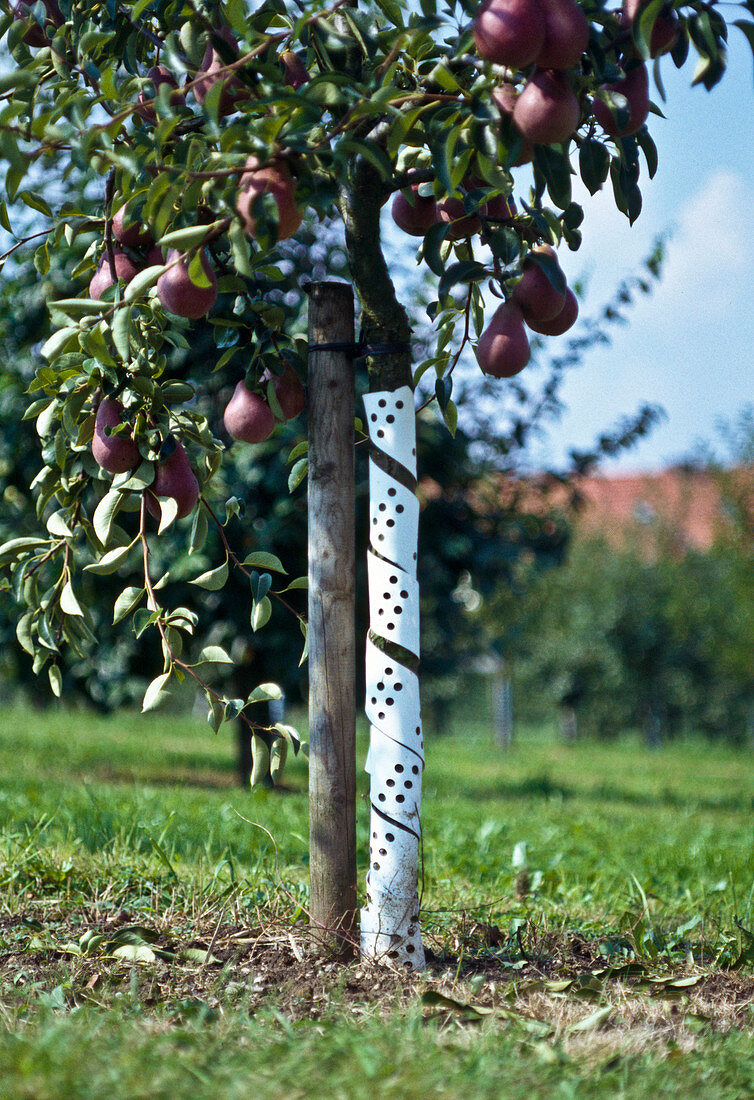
pixel 348 348
pixel 385 349
pixel 362 348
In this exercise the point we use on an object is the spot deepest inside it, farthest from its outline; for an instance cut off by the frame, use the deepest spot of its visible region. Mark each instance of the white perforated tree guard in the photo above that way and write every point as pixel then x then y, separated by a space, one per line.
pixel 390 929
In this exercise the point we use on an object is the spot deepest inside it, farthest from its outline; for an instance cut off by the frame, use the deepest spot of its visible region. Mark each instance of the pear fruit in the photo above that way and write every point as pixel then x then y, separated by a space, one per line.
pixel 500 209
pixel 503 348
pixel 178 294
pixel 116 453
pixel 174 478
pixel 274 179
pixel 537 297
pixel 509 32
pixel 159 74
pixel 452 212
pixel 547 111
pixel 504 97
pixel 665 30
pixel 412 213
pixel 295 72
pixel 290 393
pixel 134 235
pixel 635 88
pixel 566 34
pixel 562 321
pixel 234 90
pixel 35 36
pixel 247 416
pixel 125 269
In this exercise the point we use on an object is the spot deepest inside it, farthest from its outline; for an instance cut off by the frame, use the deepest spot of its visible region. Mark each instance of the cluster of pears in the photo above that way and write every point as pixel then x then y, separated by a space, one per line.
pixel 118 453
pixel 248 417
pixel 551 36
pixel 415 213
pixel 540 299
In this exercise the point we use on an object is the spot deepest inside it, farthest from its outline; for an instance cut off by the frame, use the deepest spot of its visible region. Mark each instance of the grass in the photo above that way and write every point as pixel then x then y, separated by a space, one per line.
pixel 587 910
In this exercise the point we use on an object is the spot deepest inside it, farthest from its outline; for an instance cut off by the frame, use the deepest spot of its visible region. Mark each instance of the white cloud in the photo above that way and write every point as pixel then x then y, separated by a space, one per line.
pixel 710 263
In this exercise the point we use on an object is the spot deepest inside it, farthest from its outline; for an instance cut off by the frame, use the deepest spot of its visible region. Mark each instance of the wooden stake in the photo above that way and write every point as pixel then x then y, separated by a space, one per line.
pixel 332 709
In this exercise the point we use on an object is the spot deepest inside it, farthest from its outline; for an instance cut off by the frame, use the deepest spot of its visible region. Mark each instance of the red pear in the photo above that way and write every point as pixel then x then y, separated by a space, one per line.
pixel 114 453
pixel 179 294
pixel 452 213
pixel 635 88
pixel 155 256
pixel 247 416
pixel 566 34
pixel 133 235
pixel 234 90
pixel 505 96
pixel 503 348
pixel 295 72
pixel 290 393
pixel 500 209
pixel 538 299
pixel 160 74
pixel 547 111
pixel 412 213
pixel 35 36
pixel 125 269
pixel 509 32
pixel 562 321
pixel 665 29
pixel 274 179
pixel 174 478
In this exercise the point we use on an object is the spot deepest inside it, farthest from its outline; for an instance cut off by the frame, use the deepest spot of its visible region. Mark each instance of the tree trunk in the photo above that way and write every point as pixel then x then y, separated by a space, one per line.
pixel 332 710
pixel 502 707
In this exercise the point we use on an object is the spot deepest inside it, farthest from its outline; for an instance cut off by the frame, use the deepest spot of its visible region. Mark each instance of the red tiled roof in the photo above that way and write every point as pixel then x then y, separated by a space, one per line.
pixel 682 505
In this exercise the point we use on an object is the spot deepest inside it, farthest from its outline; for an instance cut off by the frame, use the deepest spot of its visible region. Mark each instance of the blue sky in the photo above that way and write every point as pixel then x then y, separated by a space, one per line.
pixel 690 348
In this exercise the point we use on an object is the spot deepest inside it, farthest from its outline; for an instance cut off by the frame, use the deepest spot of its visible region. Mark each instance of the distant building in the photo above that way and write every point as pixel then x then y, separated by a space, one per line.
pixel 681 506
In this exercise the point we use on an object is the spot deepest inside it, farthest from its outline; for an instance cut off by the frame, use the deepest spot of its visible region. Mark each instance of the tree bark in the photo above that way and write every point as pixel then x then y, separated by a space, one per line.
pixel 390 930
pixel 332 709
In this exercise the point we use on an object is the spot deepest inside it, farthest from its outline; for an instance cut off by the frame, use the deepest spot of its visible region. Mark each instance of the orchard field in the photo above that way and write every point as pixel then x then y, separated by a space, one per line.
pixel 588 912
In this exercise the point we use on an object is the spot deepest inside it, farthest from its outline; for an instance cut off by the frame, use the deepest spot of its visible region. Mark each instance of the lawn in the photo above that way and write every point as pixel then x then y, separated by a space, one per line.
pixel 587 913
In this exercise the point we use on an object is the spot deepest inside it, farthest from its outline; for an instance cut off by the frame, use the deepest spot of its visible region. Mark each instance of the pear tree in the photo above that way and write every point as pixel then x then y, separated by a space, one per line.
pixel 212 130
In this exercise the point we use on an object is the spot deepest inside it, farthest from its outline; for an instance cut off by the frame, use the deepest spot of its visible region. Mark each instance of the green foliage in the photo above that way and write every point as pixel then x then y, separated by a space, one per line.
pixel 662 642
pixel 392 98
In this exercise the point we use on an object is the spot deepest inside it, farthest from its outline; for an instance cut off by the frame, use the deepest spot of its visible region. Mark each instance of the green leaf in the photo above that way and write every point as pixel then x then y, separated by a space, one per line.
pixel 594 164
pixel 216 655
pixel 593 1021
pixel 139 953
pixel 155 694
pixel 184 239
pixel 261 759
pixel 555 168
pixel 168 512
pixel 142 282
pixel 260 613
pixel 261 560
pixel 121 330
pixel 213 579
pixel 264 693
pixel 110 561
pixel 60 342
pixel 278 754
pixel 68 602
pixel 105 513
pixel 126 602
pixel 297 474
pixel 12 550
pixel 56 680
